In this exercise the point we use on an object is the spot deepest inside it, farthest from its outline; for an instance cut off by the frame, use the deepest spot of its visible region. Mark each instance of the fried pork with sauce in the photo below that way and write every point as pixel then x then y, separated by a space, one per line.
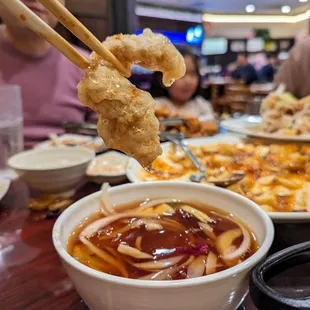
pixel 127 121
pixel 150 50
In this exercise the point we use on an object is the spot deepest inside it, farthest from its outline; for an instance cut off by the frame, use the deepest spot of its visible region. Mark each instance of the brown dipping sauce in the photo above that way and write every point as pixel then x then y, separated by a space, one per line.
pixel 181 235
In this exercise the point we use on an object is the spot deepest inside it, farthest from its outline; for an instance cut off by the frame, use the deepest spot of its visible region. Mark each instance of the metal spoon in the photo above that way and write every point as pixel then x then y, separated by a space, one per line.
pixel 236 177
pixel 198 177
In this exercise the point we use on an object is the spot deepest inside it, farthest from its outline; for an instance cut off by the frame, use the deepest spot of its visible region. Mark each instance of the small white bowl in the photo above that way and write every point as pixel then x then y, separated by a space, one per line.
pixel 89 142
pixel 222 291
pixel 53 170
pixel 109 167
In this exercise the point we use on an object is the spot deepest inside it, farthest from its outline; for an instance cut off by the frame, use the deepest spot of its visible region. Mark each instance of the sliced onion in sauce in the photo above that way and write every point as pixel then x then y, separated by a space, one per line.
pixel 172 224
pixel 105 256
pixel 189 261
pixel 166 273
pixel 243 248
pixel 211 263
pixel 92 228
pixel 138 243
pixel 133 252
pixel 202 217
pixel 115 233
pixel 106 207
pixel 197 267
pixel 160 264
pixel 224 243
pixel 149 226
pixel 164 209
pixel 160 275
pixel 155 202
pixel 225 240
pixel 208 230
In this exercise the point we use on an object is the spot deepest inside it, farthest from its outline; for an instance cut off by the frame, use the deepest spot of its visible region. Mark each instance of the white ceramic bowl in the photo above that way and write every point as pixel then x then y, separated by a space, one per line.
pixel 223 290
pixel 89 142
pixel 101 168
pixel 53 170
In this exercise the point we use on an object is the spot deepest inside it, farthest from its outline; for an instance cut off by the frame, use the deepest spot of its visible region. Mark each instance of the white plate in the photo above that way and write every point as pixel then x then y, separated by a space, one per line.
pixel 134 169
pixel 107 159
pixel 4 187
pixel 243 125
pixel 99 144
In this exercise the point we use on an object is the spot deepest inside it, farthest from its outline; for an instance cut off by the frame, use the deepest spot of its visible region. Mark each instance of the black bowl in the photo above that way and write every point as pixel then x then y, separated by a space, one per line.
pixel 265 297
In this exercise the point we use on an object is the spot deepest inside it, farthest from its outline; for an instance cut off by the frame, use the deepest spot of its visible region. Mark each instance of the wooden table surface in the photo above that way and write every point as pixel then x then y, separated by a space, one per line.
pixel 31 275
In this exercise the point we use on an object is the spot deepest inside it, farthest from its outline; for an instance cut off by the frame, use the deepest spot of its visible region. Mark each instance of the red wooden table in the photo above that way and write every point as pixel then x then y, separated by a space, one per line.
pixel 31 275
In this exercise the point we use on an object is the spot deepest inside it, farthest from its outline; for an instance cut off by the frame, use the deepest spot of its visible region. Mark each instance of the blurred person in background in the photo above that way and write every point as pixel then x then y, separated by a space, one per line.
pixel 231 68
pixel 294 72
pixel 183 98
pixel 267 72
pixel 244 72
pixel 47 79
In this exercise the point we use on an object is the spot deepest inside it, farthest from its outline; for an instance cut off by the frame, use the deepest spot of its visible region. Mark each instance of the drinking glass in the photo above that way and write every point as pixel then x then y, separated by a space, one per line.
pixel 11 123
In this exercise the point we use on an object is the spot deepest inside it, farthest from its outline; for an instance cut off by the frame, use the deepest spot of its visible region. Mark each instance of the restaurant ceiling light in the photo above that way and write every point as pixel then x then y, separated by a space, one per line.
pixel 250 8
pixel 142 10
pixel 163 13
pixel 286 9
pixel 252 19
pixel 303 0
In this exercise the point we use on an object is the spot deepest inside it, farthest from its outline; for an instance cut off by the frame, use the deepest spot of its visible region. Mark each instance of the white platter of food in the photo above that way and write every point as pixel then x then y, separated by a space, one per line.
pixel 249 125
pixel 283 118
pixel 90 142
pixel 277 175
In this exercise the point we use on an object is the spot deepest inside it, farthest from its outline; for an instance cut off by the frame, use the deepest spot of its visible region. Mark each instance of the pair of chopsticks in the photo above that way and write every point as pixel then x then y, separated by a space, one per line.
pixel 24 14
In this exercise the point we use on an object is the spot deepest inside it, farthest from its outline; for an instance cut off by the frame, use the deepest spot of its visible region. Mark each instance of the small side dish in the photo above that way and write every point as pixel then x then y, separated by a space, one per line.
pixel 52 170
pixel 109 167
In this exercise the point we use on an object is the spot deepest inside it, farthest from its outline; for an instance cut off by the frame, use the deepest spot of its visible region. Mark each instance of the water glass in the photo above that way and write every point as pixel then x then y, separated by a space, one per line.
pixel 11 123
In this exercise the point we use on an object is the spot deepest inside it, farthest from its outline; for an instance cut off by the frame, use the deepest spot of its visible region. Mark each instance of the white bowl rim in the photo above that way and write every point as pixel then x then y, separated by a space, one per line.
pixel 111 174
pixel 91 154
pixel 230 272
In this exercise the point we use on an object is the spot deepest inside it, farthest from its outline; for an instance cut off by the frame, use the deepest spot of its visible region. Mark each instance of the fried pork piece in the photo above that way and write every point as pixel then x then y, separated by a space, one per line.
pixel 126 114
pixel 139 140
pixel 149 50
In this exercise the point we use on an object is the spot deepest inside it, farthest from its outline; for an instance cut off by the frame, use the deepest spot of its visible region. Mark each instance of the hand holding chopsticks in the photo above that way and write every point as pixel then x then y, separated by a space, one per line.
pixel 81 32
pixel 25 15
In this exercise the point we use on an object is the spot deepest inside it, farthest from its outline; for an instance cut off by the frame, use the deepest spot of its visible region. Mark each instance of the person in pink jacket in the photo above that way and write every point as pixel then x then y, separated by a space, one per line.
pixel 47 79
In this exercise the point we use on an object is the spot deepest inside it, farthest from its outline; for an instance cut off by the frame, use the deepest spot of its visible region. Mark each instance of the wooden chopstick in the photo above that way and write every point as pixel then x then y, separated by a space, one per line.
pixel 81 32
pixel 24 14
